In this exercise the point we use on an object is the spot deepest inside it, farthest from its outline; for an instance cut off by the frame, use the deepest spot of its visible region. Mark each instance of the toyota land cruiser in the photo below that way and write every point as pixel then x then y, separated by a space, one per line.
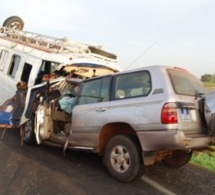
pixel 131 118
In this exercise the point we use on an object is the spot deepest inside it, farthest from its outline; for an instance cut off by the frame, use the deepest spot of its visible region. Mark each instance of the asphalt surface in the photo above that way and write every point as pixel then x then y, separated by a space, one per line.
pixel 41 170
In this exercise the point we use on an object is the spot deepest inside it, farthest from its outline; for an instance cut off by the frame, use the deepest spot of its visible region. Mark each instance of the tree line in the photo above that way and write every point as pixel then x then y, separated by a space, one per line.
pixel 208 78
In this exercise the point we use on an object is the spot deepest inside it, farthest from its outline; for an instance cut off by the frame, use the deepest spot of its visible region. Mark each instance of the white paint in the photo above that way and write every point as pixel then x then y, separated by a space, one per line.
pixel 157 185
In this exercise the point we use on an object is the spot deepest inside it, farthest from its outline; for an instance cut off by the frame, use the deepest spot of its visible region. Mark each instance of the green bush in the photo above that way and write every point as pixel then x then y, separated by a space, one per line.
pixel 205 160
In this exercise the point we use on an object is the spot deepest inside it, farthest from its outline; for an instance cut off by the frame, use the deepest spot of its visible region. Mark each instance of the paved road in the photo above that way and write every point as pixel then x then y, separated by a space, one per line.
pixel 38 170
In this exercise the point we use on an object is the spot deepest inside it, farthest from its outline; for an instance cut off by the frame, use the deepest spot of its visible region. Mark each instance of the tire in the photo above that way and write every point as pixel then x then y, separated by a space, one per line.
pixel 123 158
pixel 14 22
pixel 29 135
pixel 178 159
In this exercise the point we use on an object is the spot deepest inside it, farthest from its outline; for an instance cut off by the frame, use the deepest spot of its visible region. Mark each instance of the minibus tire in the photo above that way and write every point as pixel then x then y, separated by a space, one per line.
pixel 29 135
pixel 14 22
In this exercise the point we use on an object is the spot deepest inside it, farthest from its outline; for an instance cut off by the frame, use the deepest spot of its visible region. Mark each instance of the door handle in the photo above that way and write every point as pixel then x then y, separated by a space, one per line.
pixel 101 109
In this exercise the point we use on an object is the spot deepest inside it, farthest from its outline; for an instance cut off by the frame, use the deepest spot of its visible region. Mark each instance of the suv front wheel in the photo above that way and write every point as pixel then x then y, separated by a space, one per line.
pixel 123 158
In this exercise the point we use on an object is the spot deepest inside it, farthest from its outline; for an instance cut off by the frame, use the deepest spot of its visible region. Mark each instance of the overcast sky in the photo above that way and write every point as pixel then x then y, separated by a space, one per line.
pixel 140 32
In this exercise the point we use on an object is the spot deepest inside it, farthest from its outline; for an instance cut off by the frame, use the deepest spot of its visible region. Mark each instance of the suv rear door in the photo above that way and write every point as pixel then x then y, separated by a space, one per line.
pixel 188 91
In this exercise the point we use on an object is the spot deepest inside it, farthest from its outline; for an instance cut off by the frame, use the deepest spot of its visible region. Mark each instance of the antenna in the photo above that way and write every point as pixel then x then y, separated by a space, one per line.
pixel 152 45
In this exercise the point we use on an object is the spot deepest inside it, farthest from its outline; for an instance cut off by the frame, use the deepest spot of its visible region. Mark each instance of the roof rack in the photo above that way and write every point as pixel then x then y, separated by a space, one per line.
pixel 52 44
pixel 42 41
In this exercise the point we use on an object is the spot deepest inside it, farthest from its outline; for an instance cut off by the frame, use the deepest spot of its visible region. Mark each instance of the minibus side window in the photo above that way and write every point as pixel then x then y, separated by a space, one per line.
pixel 47 69
pixel 14 65
pixel 26 72
pixel 3 59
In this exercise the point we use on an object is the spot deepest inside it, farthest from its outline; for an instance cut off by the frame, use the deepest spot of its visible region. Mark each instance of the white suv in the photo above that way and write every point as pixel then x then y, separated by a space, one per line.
pixel 131 118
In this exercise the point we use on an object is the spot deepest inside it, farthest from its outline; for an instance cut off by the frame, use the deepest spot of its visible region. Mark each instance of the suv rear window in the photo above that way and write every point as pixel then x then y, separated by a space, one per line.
pixel 185 83
pixel 130 85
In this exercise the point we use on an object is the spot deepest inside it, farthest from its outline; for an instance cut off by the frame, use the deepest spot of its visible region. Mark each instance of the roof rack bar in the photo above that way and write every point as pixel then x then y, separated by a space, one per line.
pixel 58 45
pixel 48 42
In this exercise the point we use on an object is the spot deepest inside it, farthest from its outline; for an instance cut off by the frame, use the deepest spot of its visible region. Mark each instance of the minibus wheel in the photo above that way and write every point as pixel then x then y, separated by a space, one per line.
pixel 29 135
pixel 14 22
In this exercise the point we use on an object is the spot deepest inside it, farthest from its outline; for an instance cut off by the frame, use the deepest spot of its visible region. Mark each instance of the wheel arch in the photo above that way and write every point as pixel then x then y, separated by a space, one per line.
pixel 110 130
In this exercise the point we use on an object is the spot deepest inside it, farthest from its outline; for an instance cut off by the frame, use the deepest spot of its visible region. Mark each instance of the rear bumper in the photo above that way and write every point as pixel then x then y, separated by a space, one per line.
pixel 172 140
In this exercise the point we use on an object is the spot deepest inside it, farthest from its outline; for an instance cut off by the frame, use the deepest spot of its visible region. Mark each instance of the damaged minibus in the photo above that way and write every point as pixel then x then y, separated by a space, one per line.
pixel 28 59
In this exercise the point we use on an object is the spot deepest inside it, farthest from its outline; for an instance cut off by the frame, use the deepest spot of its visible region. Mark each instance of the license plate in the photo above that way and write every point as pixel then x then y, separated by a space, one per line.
pixel 185 114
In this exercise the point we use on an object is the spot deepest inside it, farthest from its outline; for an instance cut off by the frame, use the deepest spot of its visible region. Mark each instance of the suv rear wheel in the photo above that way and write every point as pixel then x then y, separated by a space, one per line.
pixel 178 159
pixel 123 158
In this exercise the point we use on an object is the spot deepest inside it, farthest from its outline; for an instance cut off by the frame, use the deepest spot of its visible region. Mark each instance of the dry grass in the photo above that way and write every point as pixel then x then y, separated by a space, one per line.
pixel 209 86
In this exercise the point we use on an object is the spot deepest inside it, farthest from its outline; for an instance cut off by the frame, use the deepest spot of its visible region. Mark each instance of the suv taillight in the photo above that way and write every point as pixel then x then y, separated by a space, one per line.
pixel 169 113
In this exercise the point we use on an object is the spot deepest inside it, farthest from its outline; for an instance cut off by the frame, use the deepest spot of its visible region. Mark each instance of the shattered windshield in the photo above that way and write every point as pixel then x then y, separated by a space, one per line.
pixel 185 83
